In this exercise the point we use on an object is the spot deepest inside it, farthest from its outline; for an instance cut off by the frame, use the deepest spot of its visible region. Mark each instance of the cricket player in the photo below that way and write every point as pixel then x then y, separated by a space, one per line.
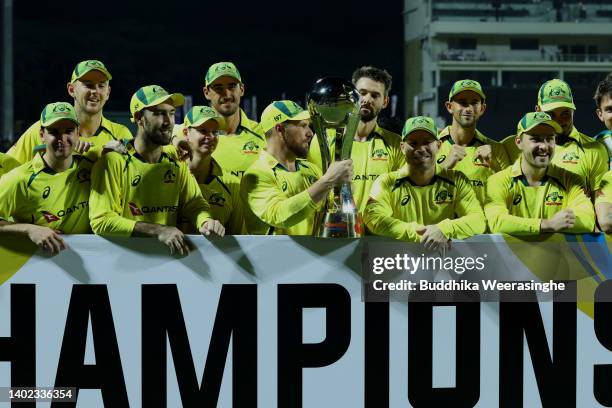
pixel 603 102
pixel 239 147
pixel 7 163
pixel 89 86
pixel 142 192
pixel 219 188
pixel 49 195
pixel 603 204
pixel 574 151
pixel 423 201
pixel 375 150
pixel 534 195
pixel 463 147
pixel 282 190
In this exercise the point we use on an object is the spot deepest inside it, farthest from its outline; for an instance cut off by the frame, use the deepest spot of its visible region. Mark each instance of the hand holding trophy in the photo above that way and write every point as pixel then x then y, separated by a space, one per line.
pixel 334 104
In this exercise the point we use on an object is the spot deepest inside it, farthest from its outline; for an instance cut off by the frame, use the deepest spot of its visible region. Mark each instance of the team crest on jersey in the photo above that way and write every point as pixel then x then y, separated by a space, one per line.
pixel 380 154
pixel 443 197
pixel 170 176
pixel 405 200
pixel 250 147
pixel 46 192
pixel 571 158
pixel 284 186
pixel 554 198
pixel 479 162
pixel 83 176
pixel 134 209
pixel 50 217
pixel 216 199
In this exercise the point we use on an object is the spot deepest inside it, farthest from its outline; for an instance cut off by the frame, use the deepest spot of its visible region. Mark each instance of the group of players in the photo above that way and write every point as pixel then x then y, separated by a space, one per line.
pixel 75 172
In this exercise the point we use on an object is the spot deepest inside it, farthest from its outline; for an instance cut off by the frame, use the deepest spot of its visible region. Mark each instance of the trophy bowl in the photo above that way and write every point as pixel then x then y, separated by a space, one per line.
pixel 333 103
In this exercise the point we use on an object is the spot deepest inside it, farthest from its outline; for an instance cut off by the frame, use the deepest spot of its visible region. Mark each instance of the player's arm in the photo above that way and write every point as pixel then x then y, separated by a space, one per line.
pixel 235 222
pixel 471 220
pixel 12 195
pixel 581 206
pixel 378 214
pixel 599 161
pixel 603 203
pixel 194 207
pixel 500 157
pixel 498 202
pixel 105 204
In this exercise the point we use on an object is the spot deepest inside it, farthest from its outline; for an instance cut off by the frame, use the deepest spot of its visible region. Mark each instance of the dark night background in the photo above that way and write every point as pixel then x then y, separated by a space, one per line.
pixel 277 46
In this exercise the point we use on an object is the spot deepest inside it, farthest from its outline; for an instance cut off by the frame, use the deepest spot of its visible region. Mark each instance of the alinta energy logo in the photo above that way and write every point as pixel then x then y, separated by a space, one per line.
pixel 380 155
pixel 443 197
pixel 554 198
pixel 250 148
pixel 169 177
pixel 571 158
pixel 216 199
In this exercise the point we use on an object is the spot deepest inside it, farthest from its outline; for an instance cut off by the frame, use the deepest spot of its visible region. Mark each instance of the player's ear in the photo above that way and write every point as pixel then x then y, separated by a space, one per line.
pixel 385 101
pixel 206 92
pixel 70 88
pixel 447 104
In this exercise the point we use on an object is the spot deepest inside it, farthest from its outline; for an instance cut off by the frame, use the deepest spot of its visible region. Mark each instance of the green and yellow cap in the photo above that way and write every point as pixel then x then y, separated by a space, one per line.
pixel 198 115
pixel 466 85
pixel 281 111
pixel 84 67
pixel 555 94
pixel 57 111
pixel 221 69
pixel 533 119
pixel 152 95
pixel 419 123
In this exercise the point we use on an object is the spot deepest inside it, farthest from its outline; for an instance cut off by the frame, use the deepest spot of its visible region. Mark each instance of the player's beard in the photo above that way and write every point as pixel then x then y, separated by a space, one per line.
pixel 160 136
pixel 368 113
pixel 228 108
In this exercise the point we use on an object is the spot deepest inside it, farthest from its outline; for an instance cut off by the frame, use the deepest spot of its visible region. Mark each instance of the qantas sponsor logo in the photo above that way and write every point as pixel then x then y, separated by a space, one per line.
pixel 136 210
pixel 50 217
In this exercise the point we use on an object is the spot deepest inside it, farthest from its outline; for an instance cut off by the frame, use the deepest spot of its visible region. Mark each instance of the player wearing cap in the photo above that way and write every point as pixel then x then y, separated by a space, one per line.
pixel 282 190
pixel 142 192
pixel 423 201
pixel 219 188
pixel 574 151
pixel 49 195
pixel 7 163
pixel 90 88
pixel 534 195
pixel 243 139
pixel 603 203
pixel 463 147
pixel 603 103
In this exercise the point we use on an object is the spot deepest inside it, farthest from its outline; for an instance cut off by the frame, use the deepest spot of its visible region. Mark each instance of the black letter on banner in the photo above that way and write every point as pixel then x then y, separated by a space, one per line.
pixel 602 373
pixel 20 348
pixel 376 379
pixel 293 355
pixel 556 377
pixel 106 374
pixel 466 392
pixel 236 319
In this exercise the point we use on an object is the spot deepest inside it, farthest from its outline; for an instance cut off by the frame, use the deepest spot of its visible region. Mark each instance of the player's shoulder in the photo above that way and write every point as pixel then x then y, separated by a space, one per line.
pixel 566 178
pixel 389 137
pixel 118 130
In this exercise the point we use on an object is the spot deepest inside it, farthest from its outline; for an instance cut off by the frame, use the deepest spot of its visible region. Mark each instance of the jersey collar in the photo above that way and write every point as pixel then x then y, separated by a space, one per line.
pixel 248 125
pixel 402 176
pixel 478 137
pixel 271 162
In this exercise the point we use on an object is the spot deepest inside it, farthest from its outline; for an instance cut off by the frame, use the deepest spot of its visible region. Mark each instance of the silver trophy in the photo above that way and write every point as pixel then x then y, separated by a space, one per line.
pixel 334 104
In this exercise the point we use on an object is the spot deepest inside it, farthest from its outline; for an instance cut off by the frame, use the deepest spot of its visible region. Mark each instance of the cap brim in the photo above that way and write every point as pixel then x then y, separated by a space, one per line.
pixel 102 70
pixel 420 128
pixel 556 127
pixel 478 91
pixel 55 120
pixel 227 75
pixel 218 119
pixel 175 99
pixel 554 105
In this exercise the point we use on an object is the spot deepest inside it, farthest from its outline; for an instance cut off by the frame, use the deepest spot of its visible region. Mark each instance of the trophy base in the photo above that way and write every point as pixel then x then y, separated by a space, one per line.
pixel 341 225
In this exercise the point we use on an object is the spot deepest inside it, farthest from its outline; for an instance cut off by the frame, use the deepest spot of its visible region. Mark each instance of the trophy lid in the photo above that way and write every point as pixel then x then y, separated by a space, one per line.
pixel 333 99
